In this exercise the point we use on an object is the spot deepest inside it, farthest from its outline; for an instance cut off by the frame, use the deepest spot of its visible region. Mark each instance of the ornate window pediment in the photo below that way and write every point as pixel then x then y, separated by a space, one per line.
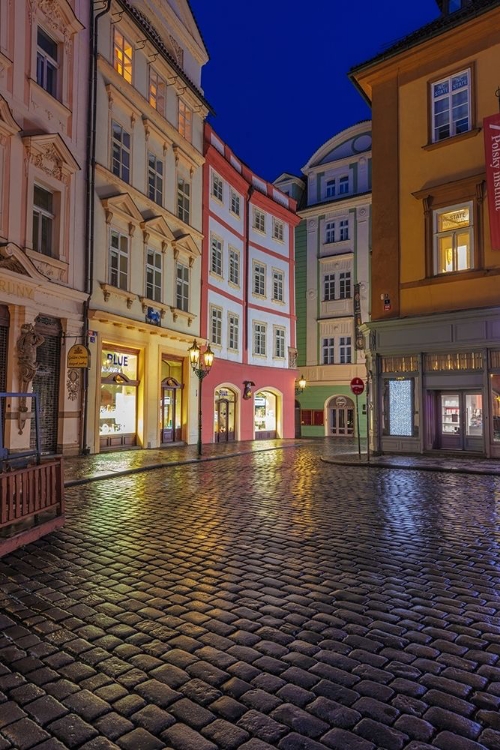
pixel 13 259
pixel 158 227
pixel 49 153
pixel 185 244
pixel 59 16
pixel 8 126
pixel 123 206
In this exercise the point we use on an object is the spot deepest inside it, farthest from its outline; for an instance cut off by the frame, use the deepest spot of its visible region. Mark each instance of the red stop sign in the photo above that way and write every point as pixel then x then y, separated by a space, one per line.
pixel 357 386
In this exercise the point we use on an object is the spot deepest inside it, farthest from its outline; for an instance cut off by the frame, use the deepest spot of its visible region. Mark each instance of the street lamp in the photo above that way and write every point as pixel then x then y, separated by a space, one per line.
pixel 201 362
pixel 299 388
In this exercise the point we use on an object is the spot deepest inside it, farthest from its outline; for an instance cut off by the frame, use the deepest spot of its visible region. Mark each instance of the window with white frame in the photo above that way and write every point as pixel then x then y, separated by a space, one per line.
pixel 328 347
pixel 185 121
pixel 122 55
pixel 453 238
pixel 330 231
pixel 157 91
pixel 43 221
pixel 235 203
pixel 182 290
pixel 155 179
pixel 216 326
pixel 279 343
pixel 46 62
pixel 259 220
pixel 329 287
pixel 234 266
pixel 259 279
pixel 217 187
pixel 345 350
pixel 344 285
pixel 183 199
pixel 259 339
pixel 216 256
pixel 154 275
pixel 118 260
pixel 343 230
pixel 343 185
pixel 451 105
pixel 278 230
pixel 120 151
pixel 278 286
pixel 233 331
pixel 330 188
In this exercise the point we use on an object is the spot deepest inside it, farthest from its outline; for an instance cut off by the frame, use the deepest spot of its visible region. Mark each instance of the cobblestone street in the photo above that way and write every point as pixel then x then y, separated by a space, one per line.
pixel 261 601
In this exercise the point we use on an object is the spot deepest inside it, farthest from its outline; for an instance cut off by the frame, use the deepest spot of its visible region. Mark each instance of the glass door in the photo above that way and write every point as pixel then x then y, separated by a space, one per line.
pixel 224 420
pixel 342 417
pixel 473 416
pixel 461 421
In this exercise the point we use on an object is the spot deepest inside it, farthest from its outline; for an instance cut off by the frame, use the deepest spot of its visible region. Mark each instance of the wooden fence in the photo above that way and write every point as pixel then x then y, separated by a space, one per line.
pixel 31 504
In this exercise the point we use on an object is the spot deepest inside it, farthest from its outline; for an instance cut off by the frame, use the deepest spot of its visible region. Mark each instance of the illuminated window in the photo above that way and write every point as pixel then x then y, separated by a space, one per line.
pixel 398 414
pixel 453 238
pixel 185 121
pixel 157 91
pixel 451 110
pixel 122 56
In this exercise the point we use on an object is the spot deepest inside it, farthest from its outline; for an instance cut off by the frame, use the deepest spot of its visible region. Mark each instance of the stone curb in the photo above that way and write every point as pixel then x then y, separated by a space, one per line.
pixel 415 467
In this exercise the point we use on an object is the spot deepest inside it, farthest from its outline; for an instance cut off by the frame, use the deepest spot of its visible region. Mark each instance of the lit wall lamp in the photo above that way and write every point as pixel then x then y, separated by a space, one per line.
pixel 299 388
pixel 247 391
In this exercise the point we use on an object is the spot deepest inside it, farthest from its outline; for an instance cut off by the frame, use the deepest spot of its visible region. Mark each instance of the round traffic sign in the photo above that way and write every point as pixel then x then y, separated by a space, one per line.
pixel 357 386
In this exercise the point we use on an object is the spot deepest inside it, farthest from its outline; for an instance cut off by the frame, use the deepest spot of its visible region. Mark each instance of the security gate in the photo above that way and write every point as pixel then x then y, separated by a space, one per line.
pixel 46 382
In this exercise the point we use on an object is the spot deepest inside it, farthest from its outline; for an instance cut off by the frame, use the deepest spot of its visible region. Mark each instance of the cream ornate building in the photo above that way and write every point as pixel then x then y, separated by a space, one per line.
pixel 147 224
pixel 43 74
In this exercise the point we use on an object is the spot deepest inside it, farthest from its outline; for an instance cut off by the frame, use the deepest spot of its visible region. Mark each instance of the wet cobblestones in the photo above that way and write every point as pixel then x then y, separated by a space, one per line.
pixel 264 601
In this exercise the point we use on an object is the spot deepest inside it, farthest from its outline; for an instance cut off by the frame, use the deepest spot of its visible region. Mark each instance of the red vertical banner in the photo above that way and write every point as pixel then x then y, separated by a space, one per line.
pixel 491 127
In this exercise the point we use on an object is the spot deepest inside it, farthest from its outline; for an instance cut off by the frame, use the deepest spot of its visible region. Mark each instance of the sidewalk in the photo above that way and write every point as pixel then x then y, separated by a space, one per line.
pixel 84 469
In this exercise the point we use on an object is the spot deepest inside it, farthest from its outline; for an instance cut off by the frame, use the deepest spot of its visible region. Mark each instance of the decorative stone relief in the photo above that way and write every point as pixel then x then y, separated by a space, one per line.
pixel 73 384
pixel 27 344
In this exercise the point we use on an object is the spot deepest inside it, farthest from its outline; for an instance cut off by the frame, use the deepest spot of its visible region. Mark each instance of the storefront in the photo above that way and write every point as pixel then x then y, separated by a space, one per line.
pixel 340 411
pixel 225 415
pixel 265 415
pixel 119 399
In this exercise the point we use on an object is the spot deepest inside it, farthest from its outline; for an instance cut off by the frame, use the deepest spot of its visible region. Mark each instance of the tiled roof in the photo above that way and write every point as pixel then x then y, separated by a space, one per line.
pixel 434 28
pixel 153 36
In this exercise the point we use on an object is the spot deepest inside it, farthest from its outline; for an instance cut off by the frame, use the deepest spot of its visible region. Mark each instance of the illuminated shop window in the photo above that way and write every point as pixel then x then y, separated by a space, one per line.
pixel 453 239
pixel 398 408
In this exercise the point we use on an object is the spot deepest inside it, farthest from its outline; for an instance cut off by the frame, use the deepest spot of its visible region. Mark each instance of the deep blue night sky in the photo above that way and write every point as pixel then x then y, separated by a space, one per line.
pixel 277 79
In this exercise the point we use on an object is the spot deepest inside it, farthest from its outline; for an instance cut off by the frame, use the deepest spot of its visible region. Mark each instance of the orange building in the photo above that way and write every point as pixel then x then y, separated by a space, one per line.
pixel 434 339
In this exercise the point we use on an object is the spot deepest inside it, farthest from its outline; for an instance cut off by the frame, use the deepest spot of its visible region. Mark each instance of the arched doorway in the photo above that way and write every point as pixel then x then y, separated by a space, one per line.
pixel 171 394
pixel 224 416
pixel 340 417
pixel 265 424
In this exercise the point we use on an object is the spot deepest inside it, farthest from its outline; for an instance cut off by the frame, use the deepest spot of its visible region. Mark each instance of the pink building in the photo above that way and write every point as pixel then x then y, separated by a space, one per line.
pixel 247 301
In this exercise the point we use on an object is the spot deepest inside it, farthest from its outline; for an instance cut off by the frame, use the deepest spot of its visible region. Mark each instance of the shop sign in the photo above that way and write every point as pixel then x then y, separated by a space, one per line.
pixel 153 316
pixel 491 127
pixel 123 363
pixel 78 357
pixel 341 402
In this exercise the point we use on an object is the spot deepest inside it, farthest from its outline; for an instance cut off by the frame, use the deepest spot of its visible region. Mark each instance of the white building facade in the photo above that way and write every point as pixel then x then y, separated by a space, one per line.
pixel 145 302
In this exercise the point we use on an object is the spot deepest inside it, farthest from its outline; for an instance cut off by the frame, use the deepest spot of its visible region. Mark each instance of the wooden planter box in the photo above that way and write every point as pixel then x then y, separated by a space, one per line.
pixel 31 504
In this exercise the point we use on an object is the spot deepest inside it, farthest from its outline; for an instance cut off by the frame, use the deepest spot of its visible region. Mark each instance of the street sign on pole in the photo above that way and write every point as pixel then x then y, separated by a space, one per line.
pixel 357 386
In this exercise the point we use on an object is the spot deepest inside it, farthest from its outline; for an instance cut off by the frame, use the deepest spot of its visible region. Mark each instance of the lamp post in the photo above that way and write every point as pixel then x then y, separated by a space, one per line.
pixel 201 363
pixel 299 388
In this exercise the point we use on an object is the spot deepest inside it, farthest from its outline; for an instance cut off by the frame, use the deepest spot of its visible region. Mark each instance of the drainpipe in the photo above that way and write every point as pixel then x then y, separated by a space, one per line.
pixel 247 269
pixel 90 195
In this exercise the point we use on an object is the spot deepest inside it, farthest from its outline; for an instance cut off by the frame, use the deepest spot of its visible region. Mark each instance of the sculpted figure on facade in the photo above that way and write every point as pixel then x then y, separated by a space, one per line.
pixel 27 344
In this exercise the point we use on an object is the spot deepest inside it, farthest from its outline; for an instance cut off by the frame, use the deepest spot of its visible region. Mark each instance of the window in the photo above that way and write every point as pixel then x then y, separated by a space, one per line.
pixel 259 220
pixel 216 256
pixel 235 203
pixel 329 287
pixel 155 179
pixel 259 279
pixel 185 121
pixel 183 199
pixel 43 221
pixel 234 267
pixel 216 325
pixel 312 417
pixel 122 56
pixel 277 230
pixel 345 350
pixel 217 187
pixel 398 416
pixel 153 276
pixel 46 63
pixel 344 285
pixel 453 239
pixel 182 295
pixel 118 260
pixel 233 331
pixel 451 112
pixel 279 343
pixel 343 230
pixel 343 185
pixel 328 351
pixel 330 231
pixel 330 188
pixel 120 145
pixel 157 91
pixel 278 286
pixel 259 339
